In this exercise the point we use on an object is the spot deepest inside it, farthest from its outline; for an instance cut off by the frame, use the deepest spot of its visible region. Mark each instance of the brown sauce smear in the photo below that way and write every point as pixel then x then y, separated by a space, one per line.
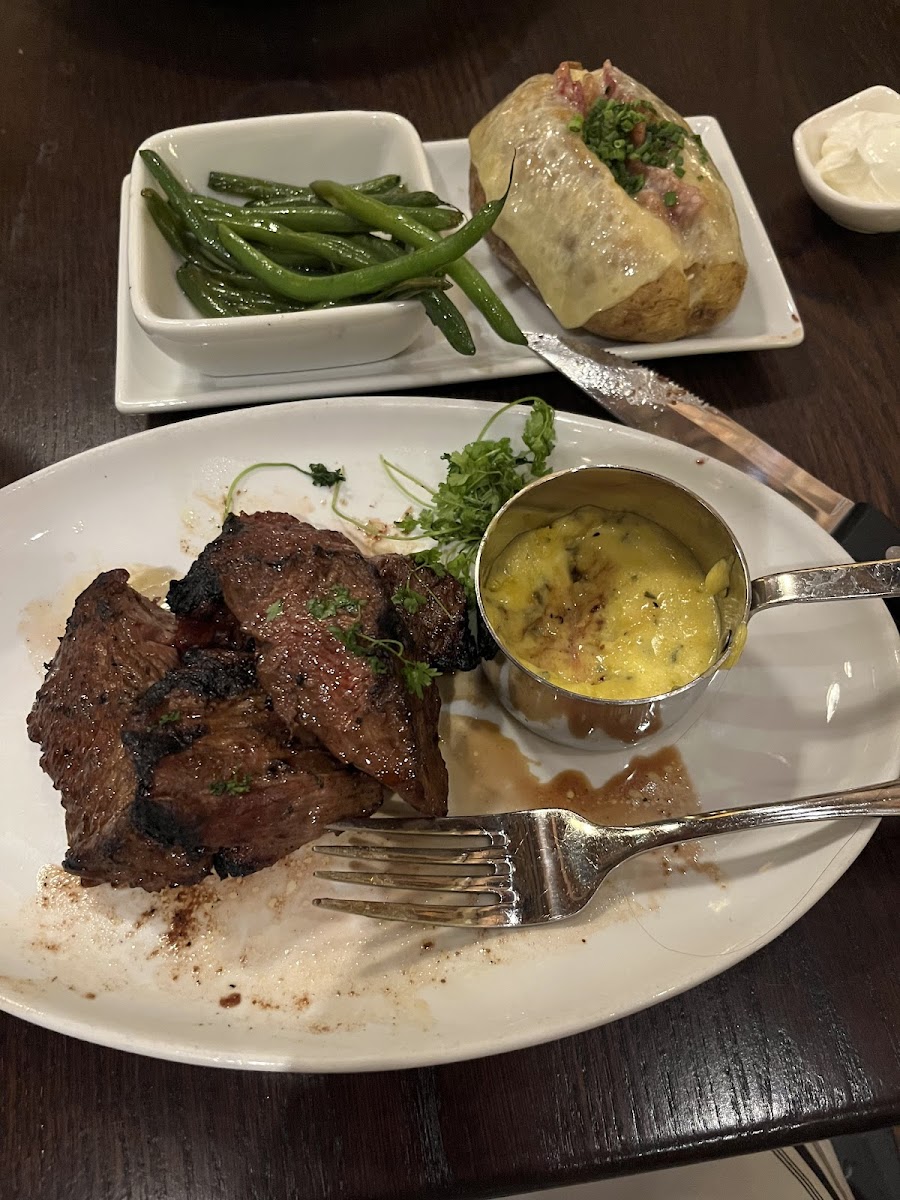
pixel 490 773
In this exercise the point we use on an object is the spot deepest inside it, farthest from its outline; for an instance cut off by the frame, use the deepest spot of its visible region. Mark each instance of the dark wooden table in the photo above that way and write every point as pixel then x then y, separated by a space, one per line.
pixel 798 1042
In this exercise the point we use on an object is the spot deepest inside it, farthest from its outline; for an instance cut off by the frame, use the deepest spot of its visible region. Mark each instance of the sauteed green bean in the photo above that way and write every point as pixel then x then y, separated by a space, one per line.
pixel 288 247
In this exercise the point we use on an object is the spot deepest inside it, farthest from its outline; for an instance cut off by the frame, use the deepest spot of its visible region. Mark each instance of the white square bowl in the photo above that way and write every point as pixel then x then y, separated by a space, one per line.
pixel 295 148
pixel 862 216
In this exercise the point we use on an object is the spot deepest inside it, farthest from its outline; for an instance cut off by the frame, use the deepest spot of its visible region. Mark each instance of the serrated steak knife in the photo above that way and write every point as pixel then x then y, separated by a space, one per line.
pixel 642 398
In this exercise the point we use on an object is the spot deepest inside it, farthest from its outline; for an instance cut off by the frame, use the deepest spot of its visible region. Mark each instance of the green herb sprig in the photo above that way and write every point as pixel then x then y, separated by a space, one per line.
pixel 408 599
pixel 416 675
pixel 321 476
pixel 480 478
pixel 337 599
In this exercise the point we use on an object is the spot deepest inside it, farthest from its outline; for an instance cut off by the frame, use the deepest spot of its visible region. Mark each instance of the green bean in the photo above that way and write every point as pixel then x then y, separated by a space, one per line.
pixel 380 249
pixel 435 257
pixel 399 224
pixel 270 233
pixel 323 247
pixel 337 250
pixel 381 183
pixel 255 303
pixel 269 189
pixel 405 199
pixel 203 299
pixel 165 221
pixel 411 289
pixel 396 196
pixel 321 219
pixel 308 219
pixel 257 189
pixel 441 310
pixel 238 294
pixel 234 279
pixel 437 219
pixel 182 202
pixel 304 263
pixel 447 318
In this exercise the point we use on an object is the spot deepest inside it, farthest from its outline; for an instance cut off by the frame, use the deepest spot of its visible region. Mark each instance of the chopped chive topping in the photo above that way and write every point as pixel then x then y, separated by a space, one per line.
pixel 627 135
pixel 274 611
pixel 170 718
pixel 670 199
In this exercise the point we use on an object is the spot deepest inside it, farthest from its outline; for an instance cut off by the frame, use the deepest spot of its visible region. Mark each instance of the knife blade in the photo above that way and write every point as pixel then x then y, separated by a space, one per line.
pixel 646 400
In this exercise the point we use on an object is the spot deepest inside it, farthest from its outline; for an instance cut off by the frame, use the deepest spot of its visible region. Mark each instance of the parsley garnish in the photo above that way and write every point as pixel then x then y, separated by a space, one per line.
pixel 480 479
pixel 611 129
pixel 321 476
pixel 416 675
pixel 237 785
pixel 169 718
pixel 274 611
pixel 338 599
pixel 431 558
pixel 408 599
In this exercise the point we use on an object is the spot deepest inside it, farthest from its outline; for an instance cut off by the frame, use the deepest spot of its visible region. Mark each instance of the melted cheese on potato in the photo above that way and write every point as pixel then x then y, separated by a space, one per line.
pixel 606 604
pixel 586 243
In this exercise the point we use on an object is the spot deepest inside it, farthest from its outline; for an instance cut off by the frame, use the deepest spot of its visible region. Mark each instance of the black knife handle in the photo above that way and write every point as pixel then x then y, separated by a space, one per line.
pixel 867 534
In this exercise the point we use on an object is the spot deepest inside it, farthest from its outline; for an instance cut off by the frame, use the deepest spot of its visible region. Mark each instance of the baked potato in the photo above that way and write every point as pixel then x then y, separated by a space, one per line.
pixel 616 216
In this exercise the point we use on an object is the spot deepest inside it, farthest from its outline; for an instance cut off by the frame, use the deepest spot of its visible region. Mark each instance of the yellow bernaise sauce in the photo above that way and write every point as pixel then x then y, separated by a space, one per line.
pixel 606 604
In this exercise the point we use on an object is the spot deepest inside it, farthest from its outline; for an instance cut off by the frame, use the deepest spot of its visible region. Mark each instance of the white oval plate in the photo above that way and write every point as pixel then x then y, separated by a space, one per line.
pixel 812 706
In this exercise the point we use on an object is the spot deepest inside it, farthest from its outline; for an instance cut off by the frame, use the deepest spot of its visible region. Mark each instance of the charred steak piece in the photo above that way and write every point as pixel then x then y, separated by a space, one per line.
pixel 172 767
pixel 219 773
pixel 433 610
pixel 315 607
pixel 116 645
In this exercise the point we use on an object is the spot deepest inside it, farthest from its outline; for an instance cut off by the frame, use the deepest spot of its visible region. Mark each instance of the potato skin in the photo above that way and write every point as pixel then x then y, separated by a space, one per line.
pixel 675 305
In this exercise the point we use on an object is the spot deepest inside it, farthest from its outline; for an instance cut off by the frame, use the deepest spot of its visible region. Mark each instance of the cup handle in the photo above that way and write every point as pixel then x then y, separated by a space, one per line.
pixel 847 581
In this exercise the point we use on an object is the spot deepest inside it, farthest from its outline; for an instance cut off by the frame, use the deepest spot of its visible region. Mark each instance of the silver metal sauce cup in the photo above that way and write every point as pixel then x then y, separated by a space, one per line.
pixel 572 719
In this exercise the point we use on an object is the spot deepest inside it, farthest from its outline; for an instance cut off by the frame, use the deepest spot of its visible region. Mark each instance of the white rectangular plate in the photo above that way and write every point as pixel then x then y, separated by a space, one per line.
pixel 766 318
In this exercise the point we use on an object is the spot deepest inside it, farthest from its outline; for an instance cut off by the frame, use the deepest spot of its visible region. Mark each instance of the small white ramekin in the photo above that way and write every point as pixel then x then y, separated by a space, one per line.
pixel 863 216
pixel 294 148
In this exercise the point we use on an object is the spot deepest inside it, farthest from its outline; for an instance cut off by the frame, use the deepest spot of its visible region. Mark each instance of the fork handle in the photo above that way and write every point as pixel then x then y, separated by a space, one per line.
pixel 878 800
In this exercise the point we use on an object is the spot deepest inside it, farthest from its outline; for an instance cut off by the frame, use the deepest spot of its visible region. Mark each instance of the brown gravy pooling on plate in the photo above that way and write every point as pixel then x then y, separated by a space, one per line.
pixel 490 773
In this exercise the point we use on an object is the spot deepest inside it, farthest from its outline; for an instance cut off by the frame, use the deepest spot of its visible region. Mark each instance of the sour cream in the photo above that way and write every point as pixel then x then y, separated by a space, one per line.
pixel 860 157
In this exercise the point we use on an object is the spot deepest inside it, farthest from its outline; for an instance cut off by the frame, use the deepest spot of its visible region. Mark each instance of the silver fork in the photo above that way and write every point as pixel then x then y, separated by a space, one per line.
pixel 528 868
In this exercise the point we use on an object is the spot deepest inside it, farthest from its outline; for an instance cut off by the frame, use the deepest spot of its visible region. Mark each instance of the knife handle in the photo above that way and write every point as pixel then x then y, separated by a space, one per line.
pixel 867 534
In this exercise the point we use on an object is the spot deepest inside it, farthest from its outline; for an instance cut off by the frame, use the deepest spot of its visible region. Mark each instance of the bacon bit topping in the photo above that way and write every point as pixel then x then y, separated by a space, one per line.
pixel 568 88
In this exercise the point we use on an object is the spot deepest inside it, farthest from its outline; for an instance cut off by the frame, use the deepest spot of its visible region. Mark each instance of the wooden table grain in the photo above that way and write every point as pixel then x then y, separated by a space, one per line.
pixel 801 1040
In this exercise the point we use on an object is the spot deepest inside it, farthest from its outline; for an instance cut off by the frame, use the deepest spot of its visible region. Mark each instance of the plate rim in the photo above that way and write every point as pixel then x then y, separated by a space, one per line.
pixel 708 966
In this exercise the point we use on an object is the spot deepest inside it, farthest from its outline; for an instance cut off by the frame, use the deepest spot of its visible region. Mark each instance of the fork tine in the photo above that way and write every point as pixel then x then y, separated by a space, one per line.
pixel 473 884
pixel 439 826
pixel 414 854
pixel 490 916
